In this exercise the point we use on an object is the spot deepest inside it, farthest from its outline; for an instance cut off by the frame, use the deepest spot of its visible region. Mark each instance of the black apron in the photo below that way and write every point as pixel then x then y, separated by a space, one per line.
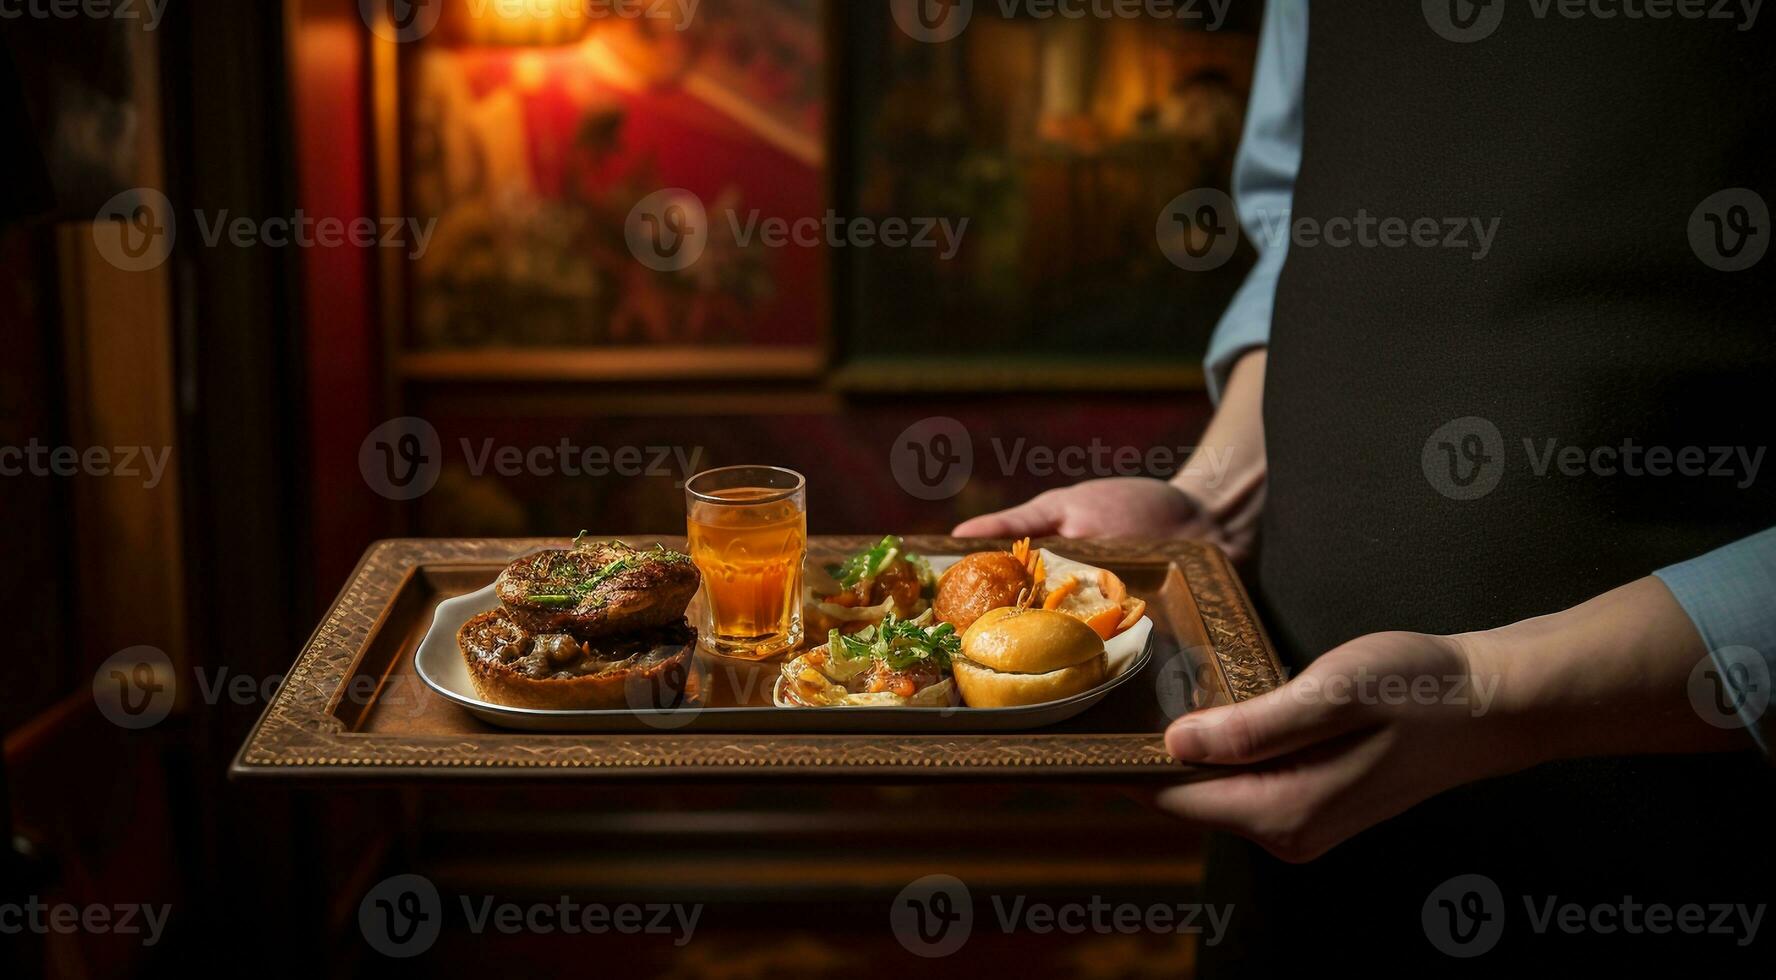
pixel 1591 321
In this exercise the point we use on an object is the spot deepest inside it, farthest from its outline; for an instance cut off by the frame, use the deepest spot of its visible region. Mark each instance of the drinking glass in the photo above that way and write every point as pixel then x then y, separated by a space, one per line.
pixel 748 530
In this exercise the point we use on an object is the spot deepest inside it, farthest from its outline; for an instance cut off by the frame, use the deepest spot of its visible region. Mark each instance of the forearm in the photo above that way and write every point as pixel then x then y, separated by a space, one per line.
pixel 1607 677
pixel 1225 475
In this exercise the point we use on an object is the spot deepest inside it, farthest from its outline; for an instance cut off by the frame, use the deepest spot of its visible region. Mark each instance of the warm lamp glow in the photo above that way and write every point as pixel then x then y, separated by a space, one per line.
pixel 519 22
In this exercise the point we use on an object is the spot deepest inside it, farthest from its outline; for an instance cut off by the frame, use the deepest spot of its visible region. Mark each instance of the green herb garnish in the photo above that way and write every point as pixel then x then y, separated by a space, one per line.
pixel 572 593
pixel 871 563
pixel 898 642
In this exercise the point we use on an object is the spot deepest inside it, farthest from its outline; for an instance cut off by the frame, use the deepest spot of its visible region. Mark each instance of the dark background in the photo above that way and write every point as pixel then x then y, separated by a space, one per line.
pixel 264 369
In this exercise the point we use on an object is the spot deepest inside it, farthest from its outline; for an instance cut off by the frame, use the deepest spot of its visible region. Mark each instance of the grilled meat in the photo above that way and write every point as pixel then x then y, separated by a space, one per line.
pixel 652 668
pixel 597 589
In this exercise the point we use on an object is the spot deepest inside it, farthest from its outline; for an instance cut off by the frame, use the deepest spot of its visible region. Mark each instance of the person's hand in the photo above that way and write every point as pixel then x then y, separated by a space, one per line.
pixel 1113 508
pixel 1390 719
pixel 1370 729
pixel 1217 496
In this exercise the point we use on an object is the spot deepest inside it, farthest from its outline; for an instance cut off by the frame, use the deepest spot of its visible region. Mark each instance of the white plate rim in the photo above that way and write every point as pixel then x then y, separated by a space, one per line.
pixel 476 705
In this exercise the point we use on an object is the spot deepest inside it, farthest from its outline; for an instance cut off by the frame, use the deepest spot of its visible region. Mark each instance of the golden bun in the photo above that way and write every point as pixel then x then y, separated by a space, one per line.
pixel 1029 641
pixel 1016 657
pixel 982 687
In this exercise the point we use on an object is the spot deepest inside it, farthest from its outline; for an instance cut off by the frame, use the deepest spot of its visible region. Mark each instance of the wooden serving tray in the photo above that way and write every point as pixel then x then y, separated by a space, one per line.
pixel 353 708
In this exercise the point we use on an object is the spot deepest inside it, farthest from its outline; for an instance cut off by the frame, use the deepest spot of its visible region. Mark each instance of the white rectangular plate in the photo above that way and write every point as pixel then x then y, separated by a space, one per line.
pixel 439 662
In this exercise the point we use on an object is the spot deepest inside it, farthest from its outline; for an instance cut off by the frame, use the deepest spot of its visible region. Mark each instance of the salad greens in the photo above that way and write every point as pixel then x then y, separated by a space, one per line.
pixel 898 642
pixel 873 562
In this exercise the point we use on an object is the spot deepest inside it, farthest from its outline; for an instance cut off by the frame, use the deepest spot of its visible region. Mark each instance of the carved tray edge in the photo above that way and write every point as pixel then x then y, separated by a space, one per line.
pixel 297 735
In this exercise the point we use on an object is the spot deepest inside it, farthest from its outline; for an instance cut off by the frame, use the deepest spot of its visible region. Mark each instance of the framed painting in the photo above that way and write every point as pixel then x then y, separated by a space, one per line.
pixel 1061 140
pixel 525 150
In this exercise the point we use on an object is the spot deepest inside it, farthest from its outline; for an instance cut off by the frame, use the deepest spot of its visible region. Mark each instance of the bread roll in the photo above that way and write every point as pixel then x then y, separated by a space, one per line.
pixel 1017 657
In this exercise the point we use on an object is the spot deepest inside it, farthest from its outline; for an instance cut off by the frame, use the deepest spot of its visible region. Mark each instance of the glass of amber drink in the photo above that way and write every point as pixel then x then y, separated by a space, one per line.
pixel 748 528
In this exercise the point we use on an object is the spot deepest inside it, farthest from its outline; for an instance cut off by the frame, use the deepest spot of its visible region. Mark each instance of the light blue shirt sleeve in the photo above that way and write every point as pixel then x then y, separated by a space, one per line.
pixel 1730 596
pixel 1264 183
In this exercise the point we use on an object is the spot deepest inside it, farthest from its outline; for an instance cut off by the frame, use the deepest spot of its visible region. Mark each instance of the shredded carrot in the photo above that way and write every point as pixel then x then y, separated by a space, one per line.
pixel 1136 608
pixel 1103 622
pixel 1060 593
pixel 1112 586
pixel 1021 551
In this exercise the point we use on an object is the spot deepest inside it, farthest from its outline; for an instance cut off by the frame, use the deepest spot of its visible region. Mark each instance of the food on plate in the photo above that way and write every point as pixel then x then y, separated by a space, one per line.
pixel 513 666
pixel 597 589
pixel 1095 596
pixel 600 625
pixel 894 663
pixel 865 588
pixel 1016 656
pixel 998 579
pixel 985 580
